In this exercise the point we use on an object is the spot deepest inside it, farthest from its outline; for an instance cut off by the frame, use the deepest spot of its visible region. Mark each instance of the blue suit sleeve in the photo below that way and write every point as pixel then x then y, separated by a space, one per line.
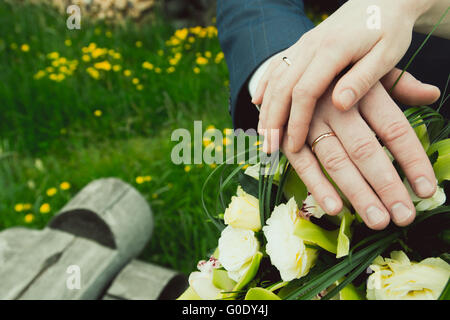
pixel 250 31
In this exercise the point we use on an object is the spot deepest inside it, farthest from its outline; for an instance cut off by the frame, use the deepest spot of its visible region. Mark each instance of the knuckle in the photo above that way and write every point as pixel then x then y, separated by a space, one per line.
pixel 415 163
pixel 363 82
pixel 363 149
pixel 335 161
pixel 395 131
pixel 302 165
pixel 388 185
pixel 299 92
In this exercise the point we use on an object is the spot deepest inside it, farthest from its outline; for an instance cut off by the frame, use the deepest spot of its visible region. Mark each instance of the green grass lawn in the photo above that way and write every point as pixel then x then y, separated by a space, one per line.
pixel 77 105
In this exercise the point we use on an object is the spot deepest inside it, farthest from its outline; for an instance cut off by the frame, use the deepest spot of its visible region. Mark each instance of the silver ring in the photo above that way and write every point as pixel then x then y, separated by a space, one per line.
pixel 288 62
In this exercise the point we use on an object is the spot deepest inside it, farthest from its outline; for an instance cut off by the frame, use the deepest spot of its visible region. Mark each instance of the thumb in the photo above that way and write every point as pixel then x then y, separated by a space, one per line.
pixel 409 90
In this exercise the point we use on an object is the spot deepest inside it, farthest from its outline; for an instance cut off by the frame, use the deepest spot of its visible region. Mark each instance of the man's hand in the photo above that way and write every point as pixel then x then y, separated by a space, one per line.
pixel 289 93
pixel 356 161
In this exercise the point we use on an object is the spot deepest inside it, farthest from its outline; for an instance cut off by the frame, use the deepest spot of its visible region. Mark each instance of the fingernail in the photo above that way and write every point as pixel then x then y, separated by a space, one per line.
pixel 347 98
pixel 375 215
pixel 423 187
pixel 330 204
pixel 400 212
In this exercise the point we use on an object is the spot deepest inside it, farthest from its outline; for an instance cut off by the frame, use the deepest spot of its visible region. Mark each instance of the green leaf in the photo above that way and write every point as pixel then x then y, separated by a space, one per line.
pixel 350 292
pixel 189 294
pixel 294 187
pixel 222 281
pixel 310 232
pixel 248 276
pixel 261 294
pixel 345 234
pixel 442 147
pixel 445 295
pixel 442 168
pixel 422 134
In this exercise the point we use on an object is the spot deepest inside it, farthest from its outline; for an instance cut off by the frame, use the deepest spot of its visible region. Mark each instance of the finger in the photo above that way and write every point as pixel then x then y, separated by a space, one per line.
pixel 257 97
pixel 375 166
pixel 308 169
pixel 344 173
pixel 393 128
pixel 362 76
pixel 311 86
pixel 409 90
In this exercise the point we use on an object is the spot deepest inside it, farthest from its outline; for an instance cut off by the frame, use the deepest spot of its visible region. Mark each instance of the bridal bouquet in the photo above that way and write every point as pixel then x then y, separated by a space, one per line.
pixel 277 243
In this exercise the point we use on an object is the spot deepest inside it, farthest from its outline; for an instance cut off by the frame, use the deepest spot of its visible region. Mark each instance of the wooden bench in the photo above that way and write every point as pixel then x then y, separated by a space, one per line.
pixel 87 251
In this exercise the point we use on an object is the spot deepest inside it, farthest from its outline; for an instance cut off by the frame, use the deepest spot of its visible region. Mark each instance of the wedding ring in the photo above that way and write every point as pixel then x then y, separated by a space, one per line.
pixel 322 136
pixel 288 62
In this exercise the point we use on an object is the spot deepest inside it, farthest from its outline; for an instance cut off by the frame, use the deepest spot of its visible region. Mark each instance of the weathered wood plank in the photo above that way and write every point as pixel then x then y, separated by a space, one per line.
pixel 94 264
pixel 145 281
pixel 19 272
pixel 111 213
pixel 15 240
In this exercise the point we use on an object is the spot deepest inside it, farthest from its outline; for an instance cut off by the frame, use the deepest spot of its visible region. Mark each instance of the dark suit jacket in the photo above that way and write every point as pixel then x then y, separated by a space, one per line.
pixel 250 31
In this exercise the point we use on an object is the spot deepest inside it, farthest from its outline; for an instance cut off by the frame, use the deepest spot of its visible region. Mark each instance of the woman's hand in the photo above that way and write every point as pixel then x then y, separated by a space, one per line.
pixel 352 36
pixel 356 161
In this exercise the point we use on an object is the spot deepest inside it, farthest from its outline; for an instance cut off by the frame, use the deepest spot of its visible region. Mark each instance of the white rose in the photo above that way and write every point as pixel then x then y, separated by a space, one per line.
pixel 287 252
pixel 312 207
pixel 236 250
pixel 243 211
pixel 421 204
pixel 398 278
pixel 201 282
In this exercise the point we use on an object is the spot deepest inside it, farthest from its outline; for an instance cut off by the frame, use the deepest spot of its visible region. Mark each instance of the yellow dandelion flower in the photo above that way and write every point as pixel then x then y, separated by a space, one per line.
pixel 62 60
pixel 29 218
pixel 173 61
pixel 158 70
pixel 147 178
pixel 98 52
pixel 51 192
pixel 108 34
pixel 98 113
pixel 93 73
pixel 245 167
pixel 40 74
pixel 227 141
pixel 25 47
pixel 213 165
pixel 45 208
pixel 182 33
pixel 138 44
pixel 219 57
pixel 27 206
pixel 140 180
pixel 187 168
pixel 117 56
pixel 191 39
pixel 126 73
pixel 86 58
pixel 53 55
pixel 160 53
pixel 140 87
pixel 68 42
pixel 135 81
pixel 201 60
pixel 257 143
pixel 64 185
pixel 55 63
pixel 196 70
pixel 208 54
pixel 18 207
pixel 104 65
pixel 210 127
pixel 63 69
pixel 147 65
pixel 170 70
pixel 228 131
pixel 116 68
pixel 49 69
